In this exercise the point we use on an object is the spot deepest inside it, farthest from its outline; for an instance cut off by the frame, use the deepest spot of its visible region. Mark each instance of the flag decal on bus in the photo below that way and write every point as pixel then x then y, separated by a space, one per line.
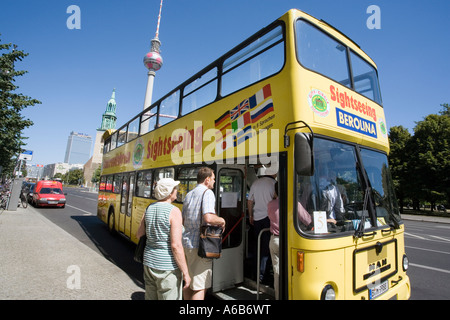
pixel 235 125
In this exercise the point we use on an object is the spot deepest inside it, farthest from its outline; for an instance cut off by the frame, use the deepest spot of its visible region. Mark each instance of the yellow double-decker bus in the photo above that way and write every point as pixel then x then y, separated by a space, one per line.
pixel 298 96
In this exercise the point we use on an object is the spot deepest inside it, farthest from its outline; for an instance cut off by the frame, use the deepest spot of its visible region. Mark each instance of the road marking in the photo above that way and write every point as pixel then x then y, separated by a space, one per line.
pixel 431 250
pixel 88 213
pixel 429 268
pixel 440 238
pixel 413 235
pixel 74 195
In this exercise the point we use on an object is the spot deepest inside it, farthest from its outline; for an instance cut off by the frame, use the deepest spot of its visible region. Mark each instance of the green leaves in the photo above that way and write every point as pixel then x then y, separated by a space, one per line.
pixel 12 123
pixel 420 164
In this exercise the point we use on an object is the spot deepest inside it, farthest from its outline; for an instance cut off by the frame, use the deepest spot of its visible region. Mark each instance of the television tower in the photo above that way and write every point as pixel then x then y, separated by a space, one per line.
pixel 153 61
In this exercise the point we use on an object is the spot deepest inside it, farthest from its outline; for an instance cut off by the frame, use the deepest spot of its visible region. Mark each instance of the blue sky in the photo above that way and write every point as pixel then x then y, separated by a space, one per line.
pixel 73 72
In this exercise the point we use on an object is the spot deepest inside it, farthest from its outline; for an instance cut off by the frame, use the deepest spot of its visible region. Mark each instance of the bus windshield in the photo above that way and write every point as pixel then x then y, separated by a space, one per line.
pixel 334 200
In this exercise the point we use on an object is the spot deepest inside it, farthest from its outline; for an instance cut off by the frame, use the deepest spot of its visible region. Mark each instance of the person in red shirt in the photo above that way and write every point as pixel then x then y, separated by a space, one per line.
pixel 274 244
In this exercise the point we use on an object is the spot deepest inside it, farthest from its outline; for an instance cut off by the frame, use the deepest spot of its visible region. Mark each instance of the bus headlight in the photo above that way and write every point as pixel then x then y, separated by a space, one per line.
pixel 328 293
pixel 405 262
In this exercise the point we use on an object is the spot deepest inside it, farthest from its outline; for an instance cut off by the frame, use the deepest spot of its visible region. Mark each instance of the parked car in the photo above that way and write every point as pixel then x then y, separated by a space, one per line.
pixel 49 193
pixel 28 189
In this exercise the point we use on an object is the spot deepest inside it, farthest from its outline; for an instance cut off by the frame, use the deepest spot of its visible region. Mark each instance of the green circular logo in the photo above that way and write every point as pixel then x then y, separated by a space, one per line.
pixel 319 103
pixel 138 153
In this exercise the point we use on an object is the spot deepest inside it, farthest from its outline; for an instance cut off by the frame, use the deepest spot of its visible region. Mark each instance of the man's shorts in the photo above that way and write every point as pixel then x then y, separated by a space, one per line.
pixel 200 270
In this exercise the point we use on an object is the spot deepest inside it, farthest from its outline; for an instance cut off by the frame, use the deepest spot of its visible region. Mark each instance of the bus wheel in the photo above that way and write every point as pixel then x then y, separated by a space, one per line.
pixel 111 222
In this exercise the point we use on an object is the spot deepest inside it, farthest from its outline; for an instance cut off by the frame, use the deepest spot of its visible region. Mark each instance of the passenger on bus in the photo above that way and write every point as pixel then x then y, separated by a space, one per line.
pixel 261 193
pixel 274 245
pixel 330 197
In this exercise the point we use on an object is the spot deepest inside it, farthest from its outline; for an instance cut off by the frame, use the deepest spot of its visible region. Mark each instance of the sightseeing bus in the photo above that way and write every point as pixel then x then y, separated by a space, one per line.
pixel 298 96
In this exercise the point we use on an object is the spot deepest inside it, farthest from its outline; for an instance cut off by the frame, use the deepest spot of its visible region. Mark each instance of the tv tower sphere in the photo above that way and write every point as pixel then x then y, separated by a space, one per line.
pixel 153 61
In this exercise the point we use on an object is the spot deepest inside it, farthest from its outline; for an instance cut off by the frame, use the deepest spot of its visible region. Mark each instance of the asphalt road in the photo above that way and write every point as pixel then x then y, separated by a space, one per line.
pixel 427 245
pixel 428 249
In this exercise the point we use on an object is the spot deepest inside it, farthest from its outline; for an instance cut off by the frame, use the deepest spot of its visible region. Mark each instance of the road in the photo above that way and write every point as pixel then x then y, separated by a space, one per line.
pixel 79 218
pixel 427 245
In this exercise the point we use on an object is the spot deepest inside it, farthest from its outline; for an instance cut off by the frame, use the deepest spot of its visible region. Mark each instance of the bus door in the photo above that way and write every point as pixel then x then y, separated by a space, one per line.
pixel 230 197
pixel 126 199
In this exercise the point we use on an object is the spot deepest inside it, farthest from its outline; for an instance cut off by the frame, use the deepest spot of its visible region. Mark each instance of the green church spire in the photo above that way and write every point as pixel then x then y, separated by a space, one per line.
pixel 109 117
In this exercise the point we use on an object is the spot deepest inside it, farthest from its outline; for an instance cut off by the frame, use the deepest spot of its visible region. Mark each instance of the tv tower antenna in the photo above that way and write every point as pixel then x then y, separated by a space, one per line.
pixel 153 61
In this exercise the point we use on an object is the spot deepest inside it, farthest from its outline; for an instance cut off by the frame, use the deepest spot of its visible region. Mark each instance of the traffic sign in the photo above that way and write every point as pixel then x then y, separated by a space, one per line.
pixel 26 155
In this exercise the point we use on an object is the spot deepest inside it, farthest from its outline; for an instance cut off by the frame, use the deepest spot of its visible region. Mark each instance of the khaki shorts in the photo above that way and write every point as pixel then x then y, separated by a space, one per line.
pixel 200 270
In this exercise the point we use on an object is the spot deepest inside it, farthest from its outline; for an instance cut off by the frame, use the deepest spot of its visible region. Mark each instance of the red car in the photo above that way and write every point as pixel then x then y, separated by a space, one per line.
pixel 49 193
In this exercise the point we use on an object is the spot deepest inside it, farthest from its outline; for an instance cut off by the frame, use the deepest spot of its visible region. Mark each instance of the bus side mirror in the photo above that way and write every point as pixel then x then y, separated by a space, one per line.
pixel 303 153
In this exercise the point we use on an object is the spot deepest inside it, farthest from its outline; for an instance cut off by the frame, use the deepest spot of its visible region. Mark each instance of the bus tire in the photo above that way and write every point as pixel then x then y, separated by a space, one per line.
pixel 111 224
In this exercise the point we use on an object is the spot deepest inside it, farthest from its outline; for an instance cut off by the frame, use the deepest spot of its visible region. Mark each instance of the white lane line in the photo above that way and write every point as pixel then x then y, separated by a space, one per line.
pixel 74 195
pixel 431 250
pixel 440 238
pixel 429 268
pixel 413 235
pixel 88 213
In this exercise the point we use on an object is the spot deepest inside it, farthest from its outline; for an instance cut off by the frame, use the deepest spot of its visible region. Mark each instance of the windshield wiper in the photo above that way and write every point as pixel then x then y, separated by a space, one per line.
pixel 359 232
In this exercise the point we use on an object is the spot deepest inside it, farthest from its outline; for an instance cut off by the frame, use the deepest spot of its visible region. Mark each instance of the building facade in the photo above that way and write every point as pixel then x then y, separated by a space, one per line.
pixel 108 122
pixel 78 148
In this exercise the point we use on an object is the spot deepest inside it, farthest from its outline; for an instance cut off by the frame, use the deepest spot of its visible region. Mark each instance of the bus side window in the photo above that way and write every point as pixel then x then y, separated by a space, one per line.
pixel 188 181
pixel 144 184
pixel 162 173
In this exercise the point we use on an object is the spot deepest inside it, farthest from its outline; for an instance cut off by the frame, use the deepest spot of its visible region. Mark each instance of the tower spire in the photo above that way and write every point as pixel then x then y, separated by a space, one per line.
pixel 159 20
pixel 109 117
pixel 153 61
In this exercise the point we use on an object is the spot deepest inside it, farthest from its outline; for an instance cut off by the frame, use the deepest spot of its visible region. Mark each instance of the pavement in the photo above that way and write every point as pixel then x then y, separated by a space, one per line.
pixel 41 261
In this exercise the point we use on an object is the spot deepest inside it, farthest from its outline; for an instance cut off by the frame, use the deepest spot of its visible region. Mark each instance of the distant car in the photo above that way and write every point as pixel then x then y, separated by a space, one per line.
pixel 49 193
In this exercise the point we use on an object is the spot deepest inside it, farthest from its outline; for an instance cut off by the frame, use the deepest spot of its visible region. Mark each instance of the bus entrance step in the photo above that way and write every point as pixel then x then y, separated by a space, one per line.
pixel 246 291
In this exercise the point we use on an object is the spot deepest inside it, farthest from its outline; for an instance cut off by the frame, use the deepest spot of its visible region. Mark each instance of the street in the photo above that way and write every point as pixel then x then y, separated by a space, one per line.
pixel 79 218
pixel 428 249
pixel 427 245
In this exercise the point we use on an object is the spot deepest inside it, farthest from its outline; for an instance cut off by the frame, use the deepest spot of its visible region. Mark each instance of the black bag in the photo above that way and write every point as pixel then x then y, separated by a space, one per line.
pixel 139 252
pixel 210 243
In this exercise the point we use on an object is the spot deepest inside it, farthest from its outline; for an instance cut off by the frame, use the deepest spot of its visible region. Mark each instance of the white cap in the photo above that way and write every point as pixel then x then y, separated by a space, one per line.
pixel 164 188
pixel 268 171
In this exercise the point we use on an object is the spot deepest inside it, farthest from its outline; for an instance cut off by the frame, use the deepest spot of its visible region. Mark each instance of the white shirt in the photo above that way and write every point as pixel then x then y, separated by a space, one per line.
pixel 261 192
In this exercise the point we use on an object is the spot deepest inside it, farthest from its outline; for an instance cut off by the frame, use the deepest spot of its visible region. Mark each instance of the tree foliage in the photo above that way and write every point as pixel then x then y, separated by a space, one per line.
pixel 420 163
pixel 12 123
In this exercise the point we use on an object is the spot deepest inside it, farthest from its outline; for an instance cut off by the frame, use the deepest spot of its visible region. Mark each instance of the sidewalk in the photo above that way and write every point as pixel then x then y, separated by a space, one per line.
pixel 425 218
pixel 41 261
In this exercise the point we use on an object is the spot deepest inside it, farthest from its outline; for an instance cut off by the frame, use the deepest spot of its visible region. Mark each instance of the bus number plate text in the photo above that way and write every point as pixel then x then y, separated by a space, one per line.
pixel 378 290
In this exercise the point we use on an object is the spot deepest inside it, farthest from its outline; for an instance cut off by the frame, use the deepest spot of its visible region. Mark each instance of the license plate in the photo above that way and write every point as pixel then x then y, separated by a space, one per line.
pixel 53 202
pixel 378 290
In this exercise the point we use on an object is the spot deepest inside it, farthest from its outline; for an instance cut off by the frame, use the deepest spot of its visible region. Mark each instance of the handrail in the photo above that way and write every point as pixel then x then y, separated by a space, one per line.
pixel 231 230
pixel 259 260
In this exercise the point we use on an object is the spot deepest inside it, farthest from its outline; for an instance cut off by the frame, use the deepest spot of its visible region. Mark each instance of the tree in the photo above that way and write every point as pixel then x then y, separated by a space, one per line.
pixel 399 140
pixel 430 161
pixel 96 175
pixel 420 164
pixel 12 123
pixel 75 177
